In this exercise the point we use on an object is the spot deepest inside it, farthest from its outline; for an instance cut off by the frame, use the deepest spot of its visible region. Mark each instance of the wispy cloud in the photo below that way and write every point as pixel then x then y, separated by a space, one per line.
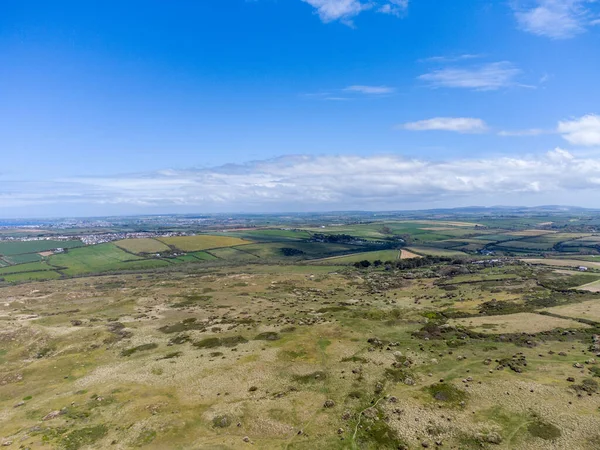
pixel 394 7
pixel 520 133
pixel 370 90
pixel 456 124
pixel 584 131
pixel 450 59
pixel 487 77
pixel 556 19
pixel 346 10
pixel 320 182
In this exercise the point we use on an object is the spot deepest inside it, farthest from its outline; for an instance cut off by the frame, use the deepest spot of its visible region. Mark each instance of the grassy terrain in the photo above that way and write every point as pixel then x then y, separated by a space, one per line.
pixel 29 267
pixel 381 255
pixel 434 251
pixel 289 356
pixel 144 245
pixel 90 259
pixel 201 242
pixel 19 247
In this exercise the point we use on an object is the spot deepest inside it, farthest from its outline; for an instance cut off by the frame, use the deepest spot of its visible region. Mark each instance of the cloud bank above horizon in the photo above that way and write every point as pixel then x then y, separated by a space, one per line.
pixel 322 182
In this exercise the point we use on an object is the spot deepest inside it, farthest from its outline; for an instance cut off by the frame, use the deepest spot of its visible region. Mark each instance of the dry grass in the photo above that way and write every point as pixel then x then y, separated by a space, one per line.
pixel 517 323
pixel 590 287
pixel 531 233
pixel 431 251
pixel 562 262
pixel 584 310
pixel 409 255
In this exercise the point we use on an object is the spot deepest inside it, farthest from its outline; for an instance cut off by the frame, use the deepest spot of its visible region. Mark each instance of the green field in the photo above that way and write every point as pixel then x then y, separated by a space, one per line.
pixel 144 245
pixel 432 251
pixel 270 235
pixel 381 255
pixel 32 276
pixel 308 249
pixel 23 258
pixel 202 242
pixel 30 267
pixel 94 258
pixel 9 248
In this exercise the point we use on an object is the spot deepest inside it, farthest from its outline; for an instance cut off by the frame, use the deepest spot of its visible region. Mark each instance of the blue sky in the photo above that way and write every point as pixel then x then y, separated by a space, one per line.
pixel 280 105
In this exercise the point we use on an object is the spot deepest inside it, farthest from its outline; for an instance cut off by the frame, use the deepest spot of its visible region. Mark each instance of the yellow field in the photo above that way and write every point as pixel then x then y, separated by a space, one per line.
pixel 531 232
pixel 202 242
pixel 408 255
pixel 144 245
pixel 591 287
pixel 442 222
pixel 563 263
pixel 517 323
pixel 431 251
pixel 584 310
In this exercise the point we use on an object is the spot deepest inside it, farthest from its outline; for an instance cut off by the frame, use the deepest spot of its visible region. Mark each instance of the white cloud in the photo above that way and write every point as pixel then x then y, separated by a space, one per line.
pixel 447 59
pixel 486 77
pixel 323 182
pixel 346 10
pixel 517 133
pixel 583 131
pixel 394 7
pixel 376 90
pixel 458 124
pixel 556 19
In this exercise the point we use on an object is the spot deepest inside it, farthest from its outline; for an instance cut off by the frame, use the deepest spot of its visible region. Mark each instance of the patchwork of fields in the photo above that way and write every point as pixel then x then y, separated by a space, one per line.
pixel 25 260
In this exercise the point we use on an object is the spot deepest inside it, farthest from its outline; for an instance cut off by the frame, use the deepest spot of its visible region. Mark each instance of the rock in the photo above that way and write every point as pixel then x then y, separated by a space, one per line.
pixel 246 439
pixel 52 415
pixel 393 399
pixel 370 413
pixel 346 415
pixel 578 365
pixel 424 444
pixel 329 404
pixel 571 380
pixel 340 431
pixel 493 438
pixel 21 403
pixel 6 443
pixel 562 354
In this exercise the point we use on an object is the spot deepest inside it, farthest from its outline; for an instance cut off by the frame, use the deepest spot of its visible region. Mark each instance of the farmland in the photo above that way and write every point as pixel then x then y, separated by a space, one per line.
pixel 202 242
pixel 145 245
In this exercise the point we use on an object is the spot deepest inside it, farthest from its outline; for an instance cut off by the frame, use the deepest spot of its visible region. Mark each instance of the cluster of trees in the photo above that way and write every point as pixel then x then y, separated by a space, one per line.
pixel 405 264
pixel 291 251
pixel 333 238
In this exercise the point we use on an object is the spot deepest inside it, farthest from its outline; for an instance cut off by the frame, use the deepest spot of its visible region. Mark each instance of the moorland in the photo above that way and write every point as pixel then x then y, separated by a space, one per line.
pixel 443 330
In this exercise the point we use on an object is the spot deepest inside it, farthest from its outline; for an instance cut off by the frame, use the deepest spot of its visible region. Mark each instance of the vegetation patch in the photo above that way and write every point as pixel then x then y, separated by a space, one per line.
pixel 84 436
pixel 310 377
pixel 268 336
pixel 221 421
pixel 374 431
pixel 186 325
pixel 447 393
pixel 215 342
pixel 543 430
pixel 191 300
pixel 145 438
pixel 139 348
